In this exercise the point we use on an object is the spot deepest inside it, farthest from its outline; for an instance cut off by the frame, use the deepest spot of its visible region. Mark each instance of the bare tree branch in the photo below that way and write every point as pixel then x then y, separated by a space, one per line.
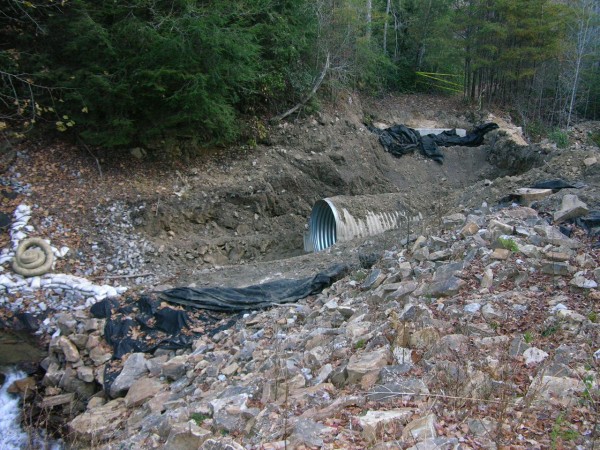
pixel 309 96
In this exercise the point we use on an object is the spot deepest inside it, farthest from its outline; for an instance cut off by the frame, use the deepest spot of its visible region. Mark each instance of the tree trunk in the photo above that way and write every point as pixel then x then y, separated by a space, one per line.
pixel 369 18
pixel 385 25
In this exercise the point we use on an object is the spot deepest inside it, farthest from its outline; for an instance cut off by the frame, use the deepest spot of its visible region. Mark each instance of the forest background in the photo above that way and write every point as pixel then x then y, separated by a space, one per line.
pixel 185 74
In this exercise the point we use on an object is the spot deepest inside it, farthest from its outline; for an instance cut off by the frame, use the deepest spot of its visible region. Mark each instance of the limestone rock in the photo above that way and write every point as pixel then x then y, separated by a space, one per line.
pixel 377 424
pixel 405 270
pixel 186 436
pixel 500 254
pixel 562 390
pixel 404 288
pixel 534 356
pixel 308 433
pixel 363 363
pixel 85 373
pixel 553 235
pixel 99 355
pixel 142 390
pixel 440 443
pixel 69 349
pixel 424 338
pixel 420 429
pixel 527 196
pixel 374 280
pixel 579 281
pixel 571 208
pixel 445 288
pixel 221 444
pixel 407 389
pixel 175 368
pixel 134 368
pixel 230 411
pixel 487 280
pixel 469 229
pixel 555 268
pixel 453 221
pixel 99 423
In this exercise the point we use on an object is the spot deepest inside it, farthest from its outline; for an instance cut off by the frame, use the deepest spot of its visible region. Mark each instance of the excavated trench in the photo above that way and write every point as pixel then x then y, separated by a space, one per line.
pixel 266 216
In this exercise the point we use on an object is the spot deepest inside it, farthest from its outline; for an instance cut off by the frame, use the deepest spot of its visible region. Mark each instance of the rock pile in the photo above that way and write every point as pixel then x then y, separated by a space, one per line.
pixel 484 336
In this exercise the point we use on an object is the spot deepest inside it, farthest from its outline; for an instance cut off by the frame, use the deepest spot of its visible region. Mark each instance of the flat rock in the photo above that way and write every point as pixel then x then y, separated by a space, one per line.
pixel 534 356
pixel 363 363
pixel 581 282
pixel 527 196
pixel 445 288
pixel 175 368
pixel 404 288
pixel 500 254
pixel 226 443
pixel 562 390
pixel 97 424
pixel 420 429
pixel 309 433
pixel 406 389
pixel 555 268
pixel 571 208
pixel 377 424
pixel 374 280
pixel 453 221
pixel 142 390
pixel 56 400
pixel 186 436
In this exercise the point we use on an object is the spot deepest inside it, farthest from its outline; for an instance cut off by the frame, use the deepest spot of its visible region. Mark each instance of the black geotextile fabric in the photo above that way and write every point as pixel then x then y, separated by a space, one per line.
pixel 556 185
pixel 146 324
pixel 223 299
pixel 142 325
pixel 400 140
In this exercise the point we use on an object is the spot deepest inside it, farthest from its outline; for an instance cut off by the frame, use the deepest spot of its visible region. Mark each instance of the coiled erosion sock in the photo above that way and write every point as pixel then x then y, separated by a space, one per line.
pixel 33 257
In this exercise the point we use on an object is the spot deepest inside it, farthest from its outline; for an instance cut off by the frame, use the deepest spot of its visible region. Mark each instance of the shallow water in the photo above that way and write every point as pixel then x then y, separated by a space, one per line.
pixel 12 437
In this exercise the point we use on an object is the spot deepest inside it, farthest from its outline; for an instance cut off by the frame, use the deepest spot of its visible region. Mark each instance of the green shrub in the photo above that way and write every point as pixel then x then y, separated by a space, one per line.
pixel 594 137
pixel 508 244
pixel 560 138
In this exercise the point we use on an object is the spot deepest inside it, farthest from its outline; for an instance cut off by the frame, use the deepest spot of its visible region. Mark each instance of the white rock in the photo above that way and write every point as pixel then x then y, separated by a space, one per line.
pixel 472 308
pixel 558 307
pixel 35 283
pixel 534 356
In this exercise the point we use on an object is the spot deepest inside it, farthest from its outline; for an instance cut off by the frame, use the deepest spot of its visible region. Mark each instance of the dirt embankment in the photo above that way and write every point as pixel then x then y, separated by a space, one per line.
pixel 237 216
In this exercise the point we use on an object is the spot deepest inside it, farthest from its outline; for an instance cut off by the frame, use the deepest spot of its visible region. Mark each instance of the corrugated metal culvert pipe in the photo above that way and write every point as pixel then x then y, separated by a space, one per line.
pixel 342 218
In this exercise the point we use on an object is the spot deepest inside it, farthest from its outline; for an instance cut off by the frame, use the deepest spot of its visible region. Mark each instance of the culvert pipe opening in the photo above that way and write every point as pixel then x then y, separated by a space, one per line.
pixel 322 227
pixel 343 218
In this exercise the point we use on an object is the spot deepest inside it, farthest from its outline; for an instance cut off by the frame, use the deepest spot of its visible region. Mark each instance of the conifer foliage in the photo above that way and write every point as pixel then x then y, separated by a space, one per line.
pixel 147 72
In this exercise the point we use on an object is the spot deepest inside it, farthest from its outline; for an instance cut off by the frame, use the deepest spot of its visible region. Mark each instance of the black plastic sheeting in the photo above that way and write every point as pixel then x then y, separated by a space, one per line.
pixel 143 326
pixel 556 185
pixel 400 140
pixel 146 324
pixel 259 296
